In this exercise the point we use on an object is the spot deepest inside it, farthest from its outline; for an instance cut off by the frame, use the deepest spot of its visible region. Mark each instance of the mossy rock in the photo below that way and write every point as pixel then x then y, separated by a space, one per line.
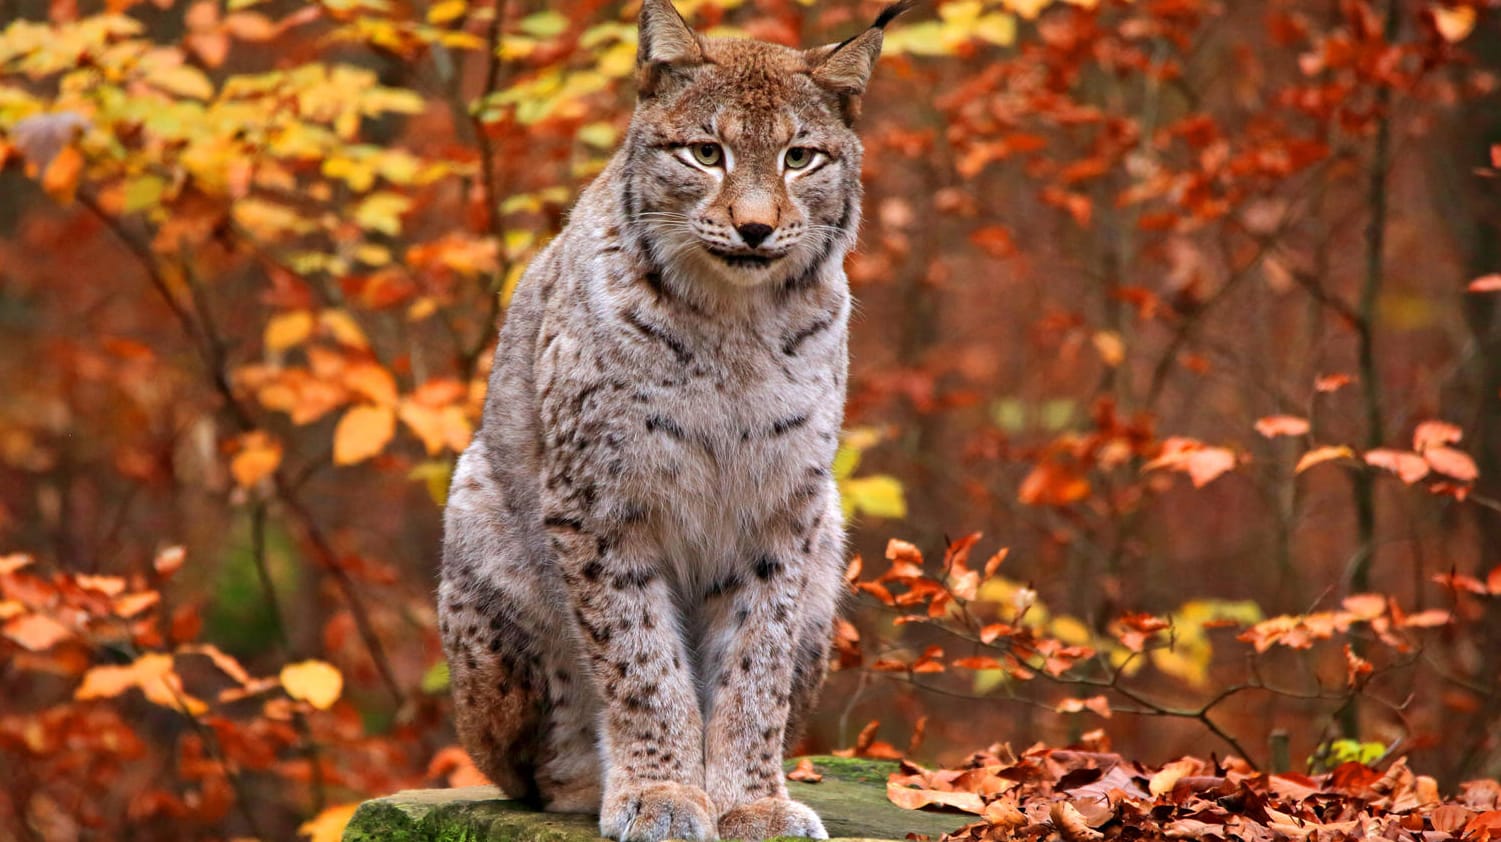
pixel 851 799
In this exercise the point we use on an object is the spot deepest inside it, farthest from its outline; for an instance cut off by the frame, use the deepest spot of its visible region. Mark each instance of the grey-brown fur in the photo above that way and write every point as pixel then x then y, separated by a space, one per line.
pixel 643 546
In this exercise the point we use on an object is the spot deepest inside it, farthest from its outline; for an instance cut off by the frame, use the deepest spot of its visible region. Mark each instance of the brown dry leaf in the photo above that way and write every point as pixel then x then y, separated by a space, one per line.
pixel 362 433
pixel 1320 455
pixel 1450 818
pixel 805 772
pixel 316 682
pixel 36 632
pixel 916 799
pixel 1168 775
pixel 1070 823
pixel 1409 467
pixel 1282 425
pixel 259 456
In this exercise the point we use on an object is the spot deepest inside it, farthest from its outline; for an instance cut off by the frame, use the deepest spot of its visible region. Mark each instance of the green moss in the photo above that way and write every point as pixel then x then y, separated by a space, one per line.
pixel 851 799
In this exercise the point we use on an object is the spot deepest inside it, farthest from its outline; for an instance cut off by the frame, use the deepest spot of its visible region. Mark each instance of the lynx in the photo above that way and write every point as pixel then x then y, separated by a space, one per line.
pixel 643 545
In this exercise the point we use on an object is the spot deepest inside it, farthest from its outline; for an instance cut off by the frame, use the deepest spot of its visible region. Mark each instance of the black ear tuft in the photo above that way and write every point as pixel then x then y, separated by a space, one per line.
pixel 892 12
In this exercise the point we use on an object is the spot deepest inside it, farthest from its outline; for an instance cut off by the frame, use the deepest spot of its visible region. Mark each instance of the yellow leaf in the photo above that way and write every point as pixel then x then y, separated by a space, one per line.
pixel 315 682
pixel 343 328
pixel 382 212
pixel 285 330
pixel 1321 455
pixel 1110 347
pixel 373 381
pixel 363 432
pixel 183 80
pixel 328 826
pixel 877 496
pixel 447 10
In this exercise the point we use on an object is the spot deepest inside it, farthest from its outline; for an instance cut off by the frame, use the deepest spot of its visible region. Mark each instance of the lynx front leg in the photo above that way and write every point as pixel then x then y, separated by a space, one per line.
pixel 651 731
pixel 784 594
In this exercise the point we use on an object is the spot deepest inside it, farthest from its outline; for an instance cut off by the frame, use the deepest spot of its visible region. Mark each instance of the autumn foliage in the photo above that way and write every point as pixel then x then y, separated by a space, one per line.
pixel 1176 375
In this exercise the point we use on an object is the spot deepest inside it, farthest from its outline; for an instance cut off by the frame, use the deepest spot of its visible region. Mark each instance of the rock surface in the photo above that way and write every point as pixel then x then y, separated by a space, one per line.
pixel 851 799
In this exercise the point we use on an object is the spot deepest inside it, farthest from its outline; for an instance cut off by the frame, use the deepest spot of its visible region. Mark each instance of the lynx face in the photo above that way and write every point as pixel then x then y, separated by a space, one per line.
pixel 744 166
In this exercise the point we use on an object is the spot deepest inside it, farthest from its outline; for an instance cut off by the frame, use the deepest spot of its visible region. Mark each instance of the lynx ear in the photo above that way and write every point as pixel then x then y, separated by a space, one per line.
pixel 664 41
pixel 845 68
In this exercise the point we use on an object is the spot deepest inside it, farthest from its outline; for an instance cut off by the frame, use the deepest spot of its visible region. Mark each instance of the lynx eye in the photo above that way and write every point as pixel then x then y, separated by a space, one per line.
pixel 799 157
pixel 708 154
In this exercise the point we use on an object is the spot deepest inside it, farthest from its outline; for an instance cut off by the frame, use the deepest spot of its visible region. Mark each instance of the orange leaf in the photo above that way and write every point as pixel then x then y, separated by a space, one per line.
pixel 60 179
pixel 1451 462
pixel 133 604
pixel 1454 23
pixel 1052 483
pixel 153 673
pixel 362 433
pixel 1320 455
pixel 36 632
pixel 373 381
pixel 1282 425
pixel 455 766
pixel 1486 283
pixel 1409 467
pixel 328 826
pixel 1098 704
pixel 1332 382
pixel 285 330
pixel 258 457
pixel 12 563
pixel 315 682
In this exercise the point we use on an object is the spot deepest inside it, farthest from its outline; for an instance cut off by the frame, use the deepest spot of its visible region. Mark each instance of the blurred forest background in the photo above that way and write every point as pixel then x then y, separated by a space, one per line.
pixel 1189 307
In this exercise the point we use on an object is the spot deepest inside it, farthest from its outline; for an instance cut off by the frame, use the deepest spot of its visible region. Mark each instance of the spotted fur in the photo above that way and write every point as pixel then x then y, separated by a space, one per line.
pixel 643 544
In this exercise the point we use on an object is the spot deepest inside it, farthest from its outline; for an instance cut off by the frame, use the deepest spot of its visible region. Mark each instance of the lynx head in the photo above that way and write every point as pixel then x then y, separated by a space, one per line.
pixel 741 160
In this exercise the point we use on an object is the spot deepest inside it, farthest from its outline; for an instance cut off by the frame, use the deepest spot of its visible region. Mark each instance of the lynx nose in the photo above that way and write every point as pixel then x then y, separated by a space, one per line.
pixel 754 233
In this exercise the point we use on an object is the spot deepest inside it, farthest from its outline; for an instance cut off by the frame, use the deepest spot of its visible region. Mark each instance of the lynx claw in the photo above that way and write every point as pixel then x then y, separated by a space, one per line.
pixel 765 818
pixel 658 811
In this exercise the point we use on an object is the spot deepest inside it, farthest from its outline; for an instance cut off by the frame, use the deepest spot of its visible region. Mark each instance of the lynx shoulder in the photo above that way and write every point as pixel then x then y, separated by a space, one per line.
pixel 643 545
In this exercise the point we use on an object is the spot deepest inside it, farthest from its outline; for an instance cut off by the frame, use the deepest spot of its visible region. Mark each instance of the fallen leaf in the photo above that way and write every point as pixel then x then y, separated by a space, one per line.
pixel 805 772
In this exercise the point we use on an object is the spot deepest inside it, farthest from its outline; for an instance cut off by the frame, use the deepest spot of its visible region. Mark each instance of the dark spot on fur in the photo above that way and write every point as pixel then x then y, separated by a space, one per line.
pixel 677 346
pixel 658 423
pixel 592 571
pixel 767 567
pixel 795 340
pixel 786 424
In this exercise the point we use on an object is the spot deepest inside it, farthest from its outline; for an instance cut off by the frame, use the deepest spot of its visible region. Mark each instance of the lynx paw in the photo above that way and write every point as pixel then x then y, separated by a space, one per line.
pixel 765 818
pixel 658 811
